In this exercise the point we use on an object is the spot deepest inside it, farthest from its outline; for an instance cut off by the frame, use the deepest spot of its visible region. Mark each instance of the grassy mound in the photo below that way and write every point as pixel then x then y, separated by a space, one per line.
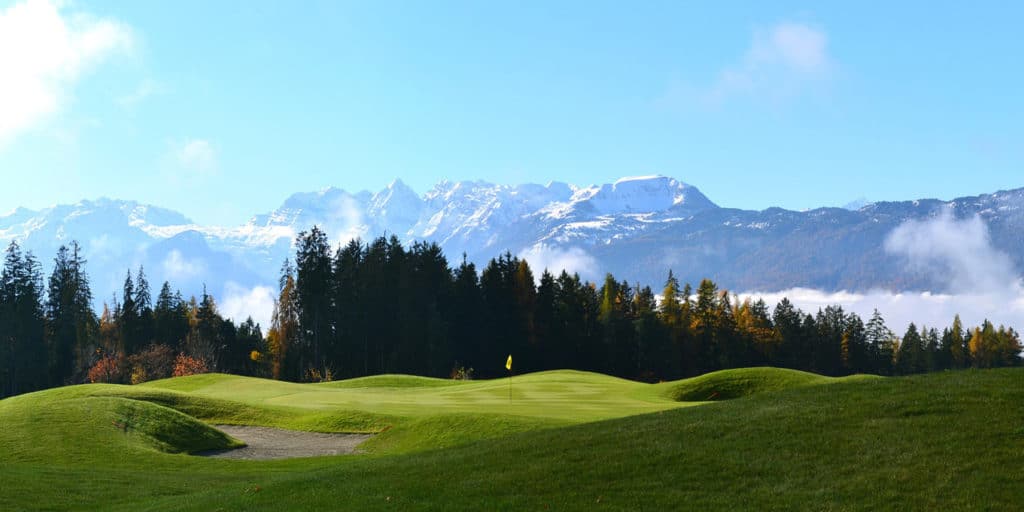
pixel 740 382
pixel 213 409
pixel 38 427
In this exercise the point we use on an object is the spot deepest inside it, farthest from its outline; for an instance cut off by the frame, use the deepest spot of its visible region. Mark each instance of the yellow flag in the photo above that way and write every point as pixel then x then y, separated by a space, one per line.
pixel 508 364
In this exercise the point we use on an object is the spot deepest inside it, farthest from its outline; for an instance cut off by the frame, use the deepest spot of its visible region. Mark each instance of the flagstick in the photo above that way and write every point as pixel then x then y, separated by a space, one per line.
pixel 508 366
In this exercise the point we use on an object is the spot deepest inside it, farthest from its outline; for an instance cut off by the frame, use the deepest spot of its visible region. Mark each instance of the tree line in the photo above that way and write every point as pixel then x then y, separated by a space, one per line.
pixel 51 336
pixel 379 307
pixel 376 307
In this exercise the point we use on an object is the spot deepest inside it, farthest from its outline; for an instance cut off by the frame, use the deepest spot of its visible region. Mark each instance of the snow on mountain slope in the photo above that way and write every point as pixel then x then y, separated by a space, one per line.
pixel 473 217
pixel 636 228
pixel 646 194
pixel 397 208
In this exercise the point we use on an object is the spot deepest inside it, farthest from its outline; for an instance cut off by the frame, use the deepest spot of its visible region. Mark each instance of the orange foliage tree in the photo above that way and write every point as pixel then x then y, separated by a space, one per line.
pixel 186 365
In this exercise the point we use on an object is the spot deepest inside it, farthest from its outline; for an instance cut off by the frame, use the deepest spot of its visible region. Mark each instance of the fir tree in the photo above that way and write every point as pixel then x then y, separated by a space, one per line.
pixel 911 357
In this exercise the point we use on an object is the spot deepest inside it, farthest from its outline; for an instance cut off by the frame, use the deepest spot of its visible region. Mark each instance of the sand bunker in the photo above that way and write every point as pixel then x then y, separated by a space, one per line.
pixel 275 443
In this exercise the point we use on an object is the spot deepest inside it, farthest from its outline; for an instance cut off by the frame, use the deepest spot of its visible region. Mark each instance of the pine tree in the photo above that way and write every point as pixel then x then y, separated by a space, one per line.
pixel 206 341
pixel 959 352
pixel 170 319
pixel 732 349
pixel 497 286
pixel 671 309
pixel 910 358
pixel 22 323
pixel 71 323
pixel 350 350
pixel 143 299
pixel 313 287
pixel 787 329
pixel 246 355
pixel 128 318
pixel 826 351
pixel 705 326
pixel 944 355
pixel 880 344
pixel 616 318
pixel 426 347
pixel 855 346
pixel 525 341
pixel 545 318
pixel 932 358
pixel 573 325
pixel 653 353
pixel 1009 346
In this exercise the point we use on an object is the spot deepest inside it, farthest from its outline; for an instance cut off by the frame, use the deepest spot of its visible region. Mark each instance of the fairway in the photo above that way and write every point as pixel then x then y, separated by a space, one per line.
pixel 770 438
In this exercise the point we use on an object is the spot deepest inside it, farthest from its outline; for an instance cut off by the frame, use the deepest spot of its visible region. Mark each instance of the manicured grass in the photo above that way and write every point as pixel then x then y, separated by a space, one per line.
pixel 569 396
pixel 567 441
pixel 740 382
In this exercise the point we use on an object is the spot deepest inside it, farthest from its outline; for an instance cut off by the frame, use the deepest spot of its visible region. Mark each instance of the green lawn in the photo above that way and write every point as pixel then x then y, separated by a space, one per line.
pixel 770 439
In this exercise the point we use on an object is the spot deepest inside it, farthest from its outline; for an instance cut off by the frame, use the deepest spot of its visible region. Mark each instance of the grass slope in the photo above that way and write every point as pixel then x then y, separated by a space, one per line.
pixel 740 382
pixel 577 441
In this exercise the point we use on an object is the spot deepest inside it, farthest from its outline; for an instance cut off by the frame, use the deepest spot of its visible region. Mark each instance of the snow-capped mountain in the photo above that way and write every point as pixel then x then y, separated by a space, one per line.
pixel 637 228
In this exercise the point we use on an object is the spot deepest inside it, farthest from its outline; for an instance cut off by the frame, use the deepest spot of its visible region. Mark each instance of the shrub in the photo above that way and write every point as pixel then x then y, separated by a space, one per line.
pixel 314 375
pixel 186 365
pixel 110 369
pixel 461 373
pixel 155 362
pixel 138 375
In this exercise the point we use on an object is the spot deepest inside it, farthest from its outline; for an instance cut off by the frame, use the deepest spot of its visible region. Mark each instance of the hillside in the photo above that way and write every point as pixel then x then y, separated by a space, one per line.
pixel 575 441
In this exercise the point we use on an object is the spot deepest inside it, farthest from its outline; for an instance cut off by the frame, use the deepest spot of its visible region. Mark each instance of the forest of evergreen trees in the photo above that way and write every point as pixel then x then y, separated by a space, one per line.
pixel 380 307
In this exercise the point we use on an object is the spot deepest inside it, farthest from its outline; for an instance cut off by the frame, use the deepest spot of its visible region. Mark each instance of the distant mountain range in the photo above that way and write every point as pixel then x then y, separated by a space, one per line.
pixel 637 228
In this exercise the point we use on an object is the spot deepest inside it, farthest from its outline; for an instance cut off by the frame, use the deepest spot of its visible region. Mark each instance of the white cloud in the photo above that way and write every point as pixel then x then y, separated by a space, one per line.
pixel 797 47
pixel 197 155
pixel 176 266
pixel 43 52
pixel 981 281
pixel 780 62
pixel 957 252
pixel 344 220
pixel 555 260
pixel 900 309
pixel 240 303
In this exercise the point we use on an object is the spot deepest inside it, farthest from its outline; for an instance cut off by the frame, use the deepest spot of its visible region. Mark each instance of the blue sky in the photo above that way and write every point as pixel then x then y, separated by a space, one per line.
pixel 222 109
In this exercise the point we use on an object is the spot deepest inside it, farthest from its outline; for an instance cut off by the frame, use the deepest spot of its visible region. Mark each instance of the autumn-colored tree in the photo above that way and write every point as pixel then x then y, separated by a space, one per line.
pixel 753 322
pixel 186 365
pixel 109 369
pixel 991 348
pixel 284 327
pixel 151 363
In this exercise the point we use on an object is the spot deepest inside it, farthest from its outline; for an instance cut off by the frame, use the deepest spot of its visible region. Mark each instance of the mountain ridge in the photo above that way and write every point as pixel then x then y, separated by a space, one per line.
pixel 636 228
